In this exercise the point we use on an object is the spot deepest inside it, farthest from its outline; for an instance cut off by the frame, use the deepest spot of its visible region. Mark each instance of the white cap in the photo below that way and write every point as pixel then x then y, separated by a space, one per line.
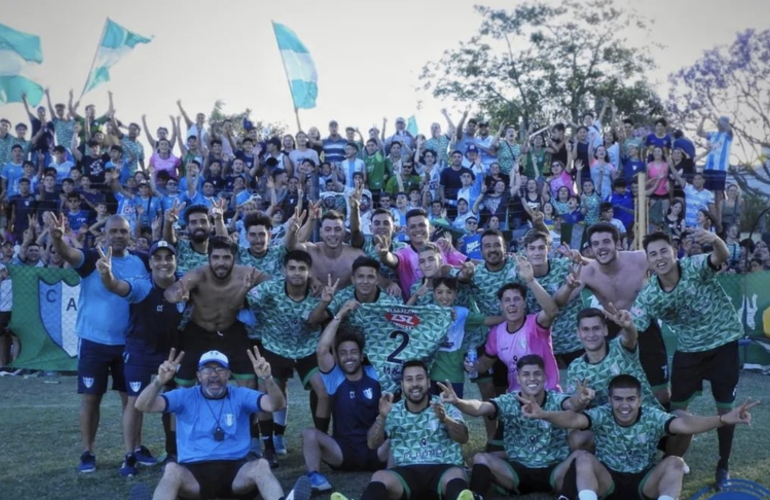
pixel 214 357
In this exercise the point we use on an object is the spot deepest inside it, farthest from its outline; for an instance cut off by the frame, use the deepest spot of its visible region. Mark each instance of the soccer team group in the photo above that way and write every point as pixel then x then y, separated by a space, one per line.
pixel 174 329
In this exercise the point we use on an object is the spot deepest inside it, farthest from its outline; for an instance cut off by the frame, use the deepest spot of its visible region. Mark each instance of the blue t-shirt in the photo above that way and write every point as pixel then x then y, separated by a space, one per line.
pixel 196 421
pixel 103 317
pixel 154 320
pixel 127 207
pixel 631 168
pixel 62 170
pixel 12 172
pixel 574 217
pixel 151 208
pixel 623 207
pixel 355 404
pixel 77 219
pixel 471 246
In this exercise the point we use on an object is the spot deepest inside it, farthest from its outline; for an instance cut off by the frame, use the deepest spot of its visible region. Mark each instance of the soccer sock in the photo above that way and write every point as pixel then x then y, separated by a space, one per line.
pixel 725 436
pixel 455 487
pixel 169 434
pixel 375 491
pixel 322 424
pixel 481 478
pixel 569 484
pixel 266 426
pixel 313 402
pixel 587 495
pixel 254 427
pixel 279 430
pixel 665 497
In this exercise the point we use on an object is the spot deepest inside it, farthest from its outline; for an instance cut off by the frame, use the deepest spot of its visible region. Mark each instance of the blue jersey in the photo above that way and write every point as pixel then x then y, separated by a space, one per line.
pixel 78 219
pixel 12 173
pixel 471 246
pixel 103 317
pixel 720 144
pixel 154 320
pixel 197 418
pixel 355 404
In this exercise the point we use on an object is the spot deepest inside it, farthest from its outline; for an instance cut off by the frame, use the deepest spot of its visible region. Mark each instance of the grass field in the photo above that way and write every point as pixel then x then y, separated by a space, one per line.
pixel 40 444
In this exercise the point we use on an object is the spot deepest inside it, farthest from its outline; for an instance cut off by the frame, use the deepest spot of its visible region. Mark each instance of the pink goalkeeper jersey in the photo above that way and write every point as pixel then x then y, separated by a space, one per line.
pixel 409 270
pixel 531 338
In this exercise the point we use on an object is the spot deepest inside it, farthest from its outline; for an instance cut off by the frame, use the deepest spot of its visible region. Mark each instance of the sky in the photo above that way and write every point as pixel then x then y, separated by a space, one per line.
pixel 368 53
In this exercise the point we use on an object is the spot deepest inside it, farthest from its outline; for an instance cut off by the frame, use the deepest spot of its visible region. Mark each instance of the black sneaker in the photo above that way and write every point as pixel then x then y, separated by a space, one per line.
pixel 269 455
pixel 722 478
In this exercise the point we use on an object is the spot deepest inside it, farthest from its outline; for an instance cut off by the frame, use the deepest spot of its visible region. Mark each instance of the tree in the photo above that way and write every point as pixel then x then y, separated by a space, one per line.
pixel 264 129
pixel 732 81
pixel 545 62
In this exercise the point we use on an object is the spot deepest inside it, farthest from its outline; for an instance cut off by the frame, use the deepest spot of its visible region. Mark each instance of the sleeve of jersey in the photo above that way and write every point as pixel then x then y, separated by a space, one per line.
pixel 474 321
pixel 642 310
pixel 88 264
pixel 332 380
pixel 258 295
pixel 491 346
pixel 248 400
pixel 596 417
pixel 174 400
pixel 139 289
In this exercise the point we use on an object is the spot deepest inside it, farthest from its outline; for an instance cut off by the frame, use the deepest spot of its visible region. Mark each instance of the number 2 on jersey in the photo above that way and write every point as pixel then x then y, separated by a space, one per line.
pixel 393 357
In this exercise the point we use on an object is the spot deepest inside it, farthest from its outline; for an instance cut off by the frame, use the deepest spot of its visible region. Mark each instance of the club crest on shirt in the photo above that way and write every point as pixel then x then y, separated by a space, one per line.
pixel 135 385
pixel 433 425
pixel 615 369
pixel 88 382
pixel 368 393
pixel 352 394
pixel 229 419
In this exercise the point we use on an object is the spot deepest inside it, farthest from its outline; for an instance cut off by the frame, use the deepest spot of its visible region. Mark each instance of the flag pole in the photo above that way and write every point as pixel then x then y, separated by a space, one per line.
pixel 288 81
pixel 96 53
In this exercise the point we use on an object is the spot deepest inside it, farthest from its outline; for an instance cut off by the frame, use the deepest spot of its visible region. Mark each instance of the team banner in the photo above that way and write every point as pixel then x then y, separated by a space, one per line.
pixel 45 309
pixel 396 334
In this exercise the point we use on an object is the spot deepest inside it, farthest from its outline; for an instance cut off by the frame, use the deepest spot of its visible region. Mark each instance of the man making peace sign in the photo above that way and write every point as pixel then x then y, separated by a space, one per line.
pixel 213 438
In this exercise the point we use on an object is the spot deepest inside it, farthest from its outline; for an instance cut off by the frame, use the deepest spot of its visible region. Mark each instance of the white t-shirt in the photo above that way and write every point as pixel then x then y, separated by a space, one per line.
pixel 6 295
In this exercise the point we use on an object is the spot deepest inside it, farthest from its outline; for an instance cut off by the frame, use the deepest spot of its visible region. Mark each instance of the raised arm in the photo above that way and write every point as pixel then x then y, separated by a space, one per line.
pixel 701 132
pixel 180 290
pixel 110 282
pixel 692 424
pixel 149 400
pixel 72 108
pixel 71 256
pixel 629 335
pixel 187 120
pixel 566 419
pixel 550 309
pixel 720 252
pixel 150 139
pixel 375 437
pixel 326 342
pixel 48 101
pixel 471 407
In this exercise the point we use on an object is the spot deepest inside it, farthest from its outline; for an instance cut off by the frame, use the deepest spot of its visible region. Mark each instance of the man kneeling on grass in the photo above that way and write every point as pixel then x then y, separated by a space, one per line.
pixel 213 432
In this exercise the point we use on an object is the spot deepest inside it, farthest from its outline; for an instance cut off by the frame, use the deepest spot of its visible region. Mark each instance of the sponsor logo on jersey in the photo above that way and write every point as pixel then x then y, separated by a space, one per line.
pixel 404 320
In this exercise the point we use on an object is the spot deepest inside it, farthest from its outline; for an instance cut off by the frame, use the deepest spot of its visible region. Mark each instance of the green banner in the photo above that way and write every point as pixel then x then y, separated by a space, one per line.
pixel 45 308
pixel 750 295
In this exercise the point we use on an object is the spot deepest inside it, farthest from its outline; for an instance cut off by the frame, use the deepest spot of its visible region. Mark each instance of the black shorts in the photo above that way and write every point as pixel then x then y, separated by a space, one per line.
pixel 5 321
pixel 283 368
pixel 652 353
pixel 721 366
pixel 422 482
pixel 498 373
pixel 628 485
pixel 96 363
pixel 215 477
pixel 139 365
pixel 566 358
pixel 715 180
pixel 232 342
pixel 357 456
pixel 528 480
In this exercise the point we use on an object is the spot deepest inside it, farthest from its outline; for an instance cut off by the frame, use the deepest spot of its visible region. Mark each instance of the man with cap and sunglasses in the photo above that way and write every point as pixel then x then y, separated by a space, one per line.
pixel 213 421
pixel 153 332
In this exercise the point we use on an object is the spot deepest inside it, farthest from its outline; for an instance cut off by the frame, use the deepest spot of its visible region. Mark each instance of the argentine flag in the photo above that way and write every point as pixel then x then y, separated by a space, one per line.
pixel 116 43
pixel 19 53
pixel 299 66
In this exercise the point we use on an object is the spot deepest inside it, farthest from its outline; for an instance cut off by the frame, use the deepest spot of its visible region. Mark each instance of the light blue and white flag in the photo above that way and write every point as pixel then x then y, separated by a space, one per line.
pixel 299 66
pixel 411 125
pixel 115 44
pixel 20 54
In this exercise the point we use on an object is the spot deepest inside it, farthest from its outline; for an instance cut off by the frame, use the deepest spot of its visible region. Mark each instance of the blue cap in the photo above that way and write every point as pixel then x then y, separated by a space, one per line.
pixel 214 357
pixel 162 244
pixel 471 149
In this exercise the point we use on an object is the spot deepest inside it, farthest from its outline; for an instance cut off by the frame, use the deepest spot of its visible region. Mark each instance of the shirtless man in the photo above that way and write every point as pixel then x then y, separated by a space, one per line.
pixel 217 291
pixel 618 277
pixel 331 256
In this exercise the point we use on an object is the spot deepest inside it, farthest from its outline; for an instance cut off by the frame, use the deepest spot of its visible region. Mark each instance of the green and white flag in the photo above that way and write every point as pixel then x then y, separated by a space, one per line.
pixel 116 43
pixel 20 57
pixel 396 334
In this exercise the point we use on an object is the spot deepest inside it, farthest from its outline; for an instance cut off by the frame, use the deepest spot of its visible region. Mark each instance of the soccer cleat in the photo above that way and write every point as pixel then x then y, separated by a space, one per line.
pixel 269 455
pixel 318 482
pixel 301 491
pixel 722 478
pixel 144 457
pixel 338 496
pixel 468 495
pixel 128 469
pixel 279 443
pixel 87 462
